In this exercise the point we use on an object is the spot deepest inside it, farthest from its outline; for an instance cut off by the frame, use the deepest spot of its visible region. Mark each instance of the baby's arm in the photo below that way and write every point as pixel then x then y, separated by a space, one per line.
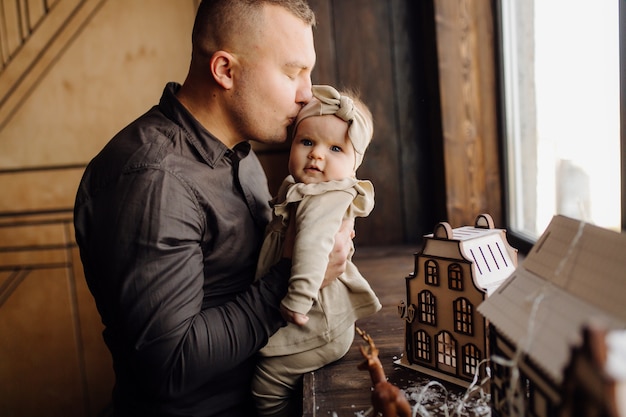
pixel 337 262
pixel 318 218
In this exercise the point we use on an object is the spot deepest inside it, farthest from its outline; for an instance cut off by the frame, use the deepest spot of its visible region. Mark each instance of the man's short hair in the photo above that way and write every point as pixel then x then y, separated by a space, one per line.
pixel 218 20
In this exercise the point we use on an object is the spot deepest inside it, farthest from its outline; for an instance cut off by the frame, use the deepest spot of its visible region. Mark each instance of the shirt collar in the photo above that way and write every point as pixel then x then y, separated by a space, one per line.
pixel 208 146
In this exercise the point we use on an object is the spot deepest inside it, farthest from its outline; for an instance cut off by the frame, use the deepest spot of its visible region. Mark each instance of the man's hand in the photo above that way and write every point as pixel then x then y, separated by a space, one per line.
pixel 338 257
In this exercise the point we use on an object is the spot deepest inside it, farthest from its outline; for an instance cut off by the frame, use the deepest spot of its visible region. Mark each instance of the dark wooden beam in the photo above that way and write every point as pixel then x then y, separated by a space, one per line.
pixel 465 45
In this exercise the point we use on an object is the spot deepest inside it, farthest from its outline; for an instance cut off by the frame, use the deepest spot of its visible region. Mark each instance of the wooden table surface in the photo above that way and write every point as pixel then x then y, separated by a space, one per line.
pixel 340 389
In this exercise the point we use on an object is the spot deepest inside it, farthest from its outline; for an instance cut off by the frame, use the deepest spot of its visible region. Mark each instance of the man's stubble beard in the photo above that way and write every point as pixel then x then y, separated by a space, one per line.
pixel 249 127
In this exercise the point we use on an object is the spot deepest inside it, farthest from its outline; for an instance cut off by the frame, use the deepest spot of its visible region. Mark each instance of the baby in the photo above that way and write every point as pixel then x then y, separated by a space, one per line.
pixel 330 136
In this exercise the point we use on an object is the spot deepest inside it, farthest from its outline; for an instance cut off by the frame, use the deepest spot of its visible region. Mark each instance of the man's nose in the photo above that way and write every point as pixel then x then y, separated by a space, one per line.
pixel 304 93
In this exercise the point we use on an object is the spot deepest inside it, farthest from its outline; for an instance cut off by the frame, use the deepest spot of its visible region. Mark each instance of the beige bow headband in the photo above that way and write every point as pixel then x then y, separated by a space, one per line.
pixel 326 100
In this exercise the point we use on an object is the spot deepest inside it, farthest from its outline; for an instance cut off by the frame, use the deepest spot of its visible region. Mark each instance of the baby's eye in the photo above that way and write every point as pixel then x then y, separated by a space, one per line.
pixel 336 148
pixel 306 142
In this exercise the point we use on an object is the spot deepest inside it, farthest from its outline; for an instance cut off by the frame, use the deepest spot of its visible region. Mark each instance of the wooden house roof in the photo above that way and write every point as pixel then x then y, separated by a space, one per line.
pixel 575 273
pixel 485 247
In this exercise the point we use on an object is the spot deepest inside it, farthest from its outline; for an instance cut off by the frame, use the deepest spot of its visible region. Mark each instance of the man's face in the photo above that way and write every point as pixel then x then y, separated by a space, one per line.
pixel 321 150
pixel 274 79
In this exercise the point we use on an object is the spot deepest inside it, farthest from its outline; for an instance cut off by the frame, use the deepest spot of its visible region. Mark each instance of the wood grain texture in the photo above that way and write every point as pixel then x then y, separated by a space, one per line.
pixel 467 87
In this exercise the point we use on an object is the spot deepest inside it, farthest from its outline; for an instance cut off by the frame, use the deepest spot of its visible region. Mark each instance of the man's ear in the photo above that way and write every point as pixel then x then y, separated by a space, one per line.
pixel 221 68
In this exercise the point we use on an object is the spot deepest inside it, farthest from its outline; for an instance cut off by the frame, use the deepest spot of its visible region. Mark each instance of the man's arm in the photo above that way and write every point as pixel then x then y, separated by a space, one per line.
pixel 147 276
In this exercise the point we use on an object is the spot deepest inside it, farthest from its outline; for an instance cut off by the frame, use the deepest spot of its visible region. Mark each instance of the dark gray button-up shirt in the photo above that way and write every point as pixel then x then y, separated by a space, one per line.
pixel 169 222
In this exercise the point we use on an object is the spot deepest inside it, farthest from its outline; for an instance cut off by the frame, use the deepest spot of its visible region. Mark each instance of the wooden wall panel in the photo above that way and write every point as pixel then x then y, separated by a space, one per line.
pixel 41 368
pixel 51 340
pixel 80 71
pixel 364 61
pixel 31 50
pixel 11 38
pixel 43 189
pixel 325 71
pixel 465 41
pixel 110 68
pixel 419 117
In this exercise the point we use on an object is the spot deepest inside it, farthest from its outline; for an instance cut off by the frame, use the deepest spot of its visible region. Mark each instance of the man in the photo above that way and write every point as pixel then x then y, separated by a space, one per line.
pixel 170 216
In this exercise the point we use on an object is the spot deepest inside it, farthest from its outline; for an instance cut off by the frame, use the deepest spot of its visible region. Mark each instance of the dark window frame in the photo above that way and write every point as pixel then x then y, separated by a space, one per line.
pixel 423 346
pixel 463 316
pixel 427 308
pixel 455 277
pixel 431 272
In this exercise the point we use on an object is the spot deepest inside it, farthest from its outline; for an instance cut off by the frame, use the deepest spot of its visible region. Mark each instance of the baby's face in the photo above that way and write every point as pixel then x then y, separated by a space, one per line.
pixel 321 150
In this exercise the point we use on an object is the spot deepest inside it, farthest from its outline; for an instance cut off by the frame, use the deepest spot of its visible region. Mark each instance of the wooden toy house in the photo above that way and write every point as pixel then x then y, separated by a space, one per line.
pixel 573 275
pixel 454 272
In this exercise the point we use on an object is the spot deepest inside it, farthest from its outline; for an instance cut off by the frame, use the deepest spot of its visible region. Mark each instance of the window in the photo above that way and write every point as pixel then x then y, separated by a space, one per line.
pixel 426 307
pixel 446 350
pixel 455 277
pixel 432 272
pixel 471 359
pixel 422 345
pixel 561 108
pixel 463 316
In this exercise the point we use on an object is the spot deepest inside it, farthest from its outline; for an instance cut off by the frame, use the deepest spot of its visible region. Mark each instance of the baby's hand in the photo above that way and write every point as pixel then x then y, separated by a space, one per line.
pixel 293 317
